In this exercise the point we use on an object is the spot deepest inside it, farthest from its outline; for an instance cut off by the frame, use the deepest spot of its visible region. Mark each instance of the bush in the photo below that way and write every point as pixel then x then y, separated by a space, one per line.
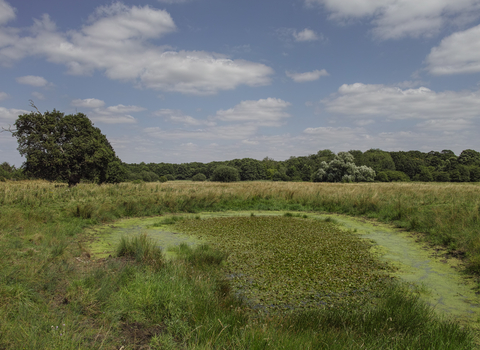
pixel 395 175
pixel 163 179
pixel 442 176
pixel 382 177
pixel 170 177
pixel 199 177
pixel 224 173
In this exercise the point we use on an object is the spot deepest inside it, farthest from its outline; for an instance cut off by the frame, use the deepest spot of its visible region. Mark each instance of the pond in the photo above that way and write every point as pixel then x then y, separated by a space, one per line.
pixel 438 279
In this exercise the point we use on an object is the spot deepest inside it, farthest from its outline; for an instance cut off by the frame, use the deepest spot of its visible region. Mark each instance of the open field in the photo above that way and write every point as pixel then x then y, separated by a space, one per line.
pixel 47 278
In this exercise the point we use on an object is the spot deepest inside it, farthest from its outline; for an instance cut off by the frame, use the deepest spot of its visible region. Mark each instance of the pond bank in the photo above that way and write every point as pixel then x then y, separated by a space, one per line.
pixel 438 280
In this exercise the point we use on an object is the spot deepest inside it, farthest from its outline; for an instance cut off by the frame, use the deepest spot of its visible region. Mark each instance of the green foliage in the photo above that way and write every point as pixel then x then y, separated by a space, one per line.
pixel 142 249
pixel 441 176
pixel 343 169
pixel 382 177
pixel 225 173
pixel 163 179
pixel 199 177
pixel 170 177
pixel 378 160
pixel 424 175
pixel 469 157
pixel 65 147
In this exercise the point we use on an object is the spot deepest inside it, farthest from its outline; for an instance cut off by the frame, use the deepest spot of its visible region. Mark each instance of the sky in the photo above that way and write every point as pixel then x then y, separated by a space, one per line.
pixel 179 81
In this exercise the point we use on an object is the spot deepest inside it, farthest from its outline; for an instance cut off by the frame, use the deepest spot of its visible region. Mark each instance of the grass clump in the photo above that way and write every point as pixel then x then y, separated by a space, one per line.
pixel 201 255
pixel 142 249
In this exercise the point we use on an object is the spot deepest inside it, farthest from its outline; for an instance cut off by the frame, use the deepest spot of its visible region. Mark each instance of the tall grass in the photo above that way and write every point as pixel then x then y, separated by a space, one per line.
pixel 47 278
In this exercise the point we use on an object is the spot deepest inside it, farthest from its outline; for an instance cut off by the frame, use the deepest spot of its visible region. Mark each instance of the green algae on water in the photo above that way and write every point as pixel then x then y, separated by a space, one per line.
pixel 105 238
pixel 286 262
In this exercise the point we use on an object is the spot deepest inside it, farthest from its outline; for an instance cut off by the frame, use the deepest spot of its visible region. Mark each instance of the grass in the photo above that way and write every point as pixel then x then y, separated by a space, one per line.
pixel 140 300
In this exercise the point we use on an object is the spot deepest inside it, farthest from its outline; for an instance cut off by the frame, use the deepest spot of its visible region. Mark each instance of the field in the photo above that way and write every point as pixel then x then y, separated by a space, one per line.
pixel 137 299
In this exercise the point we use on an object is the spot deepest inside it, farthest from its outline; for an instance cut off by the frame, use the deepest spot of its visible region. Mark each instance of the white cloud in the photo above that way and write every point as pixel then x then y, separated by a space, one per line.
pixel 240 123
pixel 3 96
pixel 10 115
pixel 32 80
pixel 177 116
pixel 225 132
pixel 360 100
pixel 265 112
pixel 118 114
pixel 393 19
pixel 307 76
pixel 457 53
pixel 305 35
pixel 446 124
pixel 7 12
pixel 116 42
pixel 88 103
pixel 38 95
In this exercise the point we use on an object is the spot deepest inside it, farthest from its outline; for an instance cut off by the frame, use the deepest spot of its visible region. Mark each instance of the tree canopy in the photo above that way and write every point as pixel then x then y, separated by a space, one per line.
pixel 66 148
pixel 343 169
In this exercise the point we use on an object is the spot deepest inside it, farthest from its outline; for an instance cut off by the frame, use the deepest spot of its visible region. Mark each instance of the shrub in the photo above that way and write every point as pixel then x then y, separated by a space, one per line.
pixel 442 176
pixel 170 177
pixel 163 179
pixel 199 177
pixel 224 173
pixel 382 177
pixel 395 175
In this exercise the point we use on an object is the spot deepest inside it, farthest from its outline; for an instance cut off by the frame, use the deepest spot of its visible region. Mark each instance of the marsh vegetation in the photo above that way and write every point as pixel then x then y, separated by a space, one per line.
pixel 139 299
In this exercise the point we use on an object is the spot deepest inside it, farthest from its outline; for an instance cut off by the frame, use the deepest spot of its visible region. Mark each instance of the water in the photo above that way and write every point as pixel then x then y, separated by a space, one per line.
pixel 438 279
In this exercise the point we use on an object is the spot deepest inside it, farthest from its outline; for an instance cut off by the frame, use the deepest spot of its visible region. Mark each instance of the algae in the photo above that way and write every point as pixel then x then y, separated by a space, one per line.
pixel 438 280
pixel 105 238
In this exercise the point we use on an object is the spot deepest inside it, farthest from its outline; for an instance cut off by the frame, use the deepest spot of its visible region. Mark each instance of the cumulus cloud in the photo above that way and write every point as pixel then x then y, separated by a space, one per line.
pixel 38 95
pixel 88 103
pixel 116 42
pixel 307 76
pixel 369 100
pixel 393 19
pixel 118 114
pixel 265 112
pixel 224 132
pixel 456 54
pixel 32 80
pixel 305 35
pixel 7 12
pixel 238 123
pixel 9 115
pixel 177 116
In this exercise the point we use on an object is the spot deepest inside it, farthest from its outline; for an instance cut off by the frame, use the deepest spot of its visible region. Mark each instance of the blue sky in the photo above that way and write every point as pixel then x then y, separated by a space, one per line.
pixel 202 80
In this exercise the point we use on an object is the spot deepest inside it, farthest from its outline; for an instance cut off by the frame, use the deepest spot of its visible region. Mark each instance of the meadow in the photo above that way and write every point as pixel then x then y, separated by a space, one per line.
pixel 53 295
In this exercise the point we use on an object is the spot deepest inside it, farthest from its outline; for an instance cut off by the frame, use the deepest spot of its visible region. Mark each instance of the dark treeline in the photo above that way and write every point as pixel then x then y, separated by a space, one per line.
pixel 442 166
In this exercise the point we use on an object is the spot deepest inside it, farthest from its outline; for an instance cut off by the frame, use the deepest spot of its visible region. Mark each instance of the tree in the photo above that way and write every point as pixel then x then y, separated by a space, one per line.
pixel 469 157
pixel 343 169
pixel 66 148
pixel 225 173
pixel 378 160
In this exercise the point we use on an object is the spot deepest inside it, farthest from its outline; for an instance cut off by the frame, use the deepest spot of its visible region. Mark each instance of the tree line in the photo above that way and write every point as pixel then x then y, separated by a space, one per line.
pixel 69 148
pixel 442 166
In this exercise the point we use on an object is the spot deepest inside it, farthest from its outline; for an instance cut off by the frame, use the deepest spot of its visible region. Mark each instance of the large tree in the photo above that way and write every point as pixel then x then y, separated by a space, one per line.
pixel 65 147
pixel 343 169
